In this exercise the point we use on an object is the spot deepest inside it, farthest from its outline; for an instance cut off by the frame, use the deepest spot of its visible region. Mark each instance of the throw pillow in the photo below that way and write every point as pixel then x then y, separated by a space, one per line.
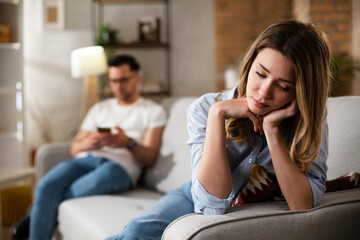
pixel 345 182
pixel 261 187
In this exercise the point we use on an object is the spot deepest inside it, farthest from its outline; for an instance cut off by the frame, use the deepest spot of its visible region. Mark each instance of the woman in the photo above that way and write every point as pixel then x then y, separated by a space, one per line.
pixel 274 118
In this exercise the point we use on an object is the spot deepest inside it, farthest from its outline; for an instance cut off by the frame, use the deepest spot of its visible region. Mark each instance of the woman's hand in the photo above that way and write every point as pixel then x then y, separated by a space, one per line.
pixel 273 119
pixel 238 108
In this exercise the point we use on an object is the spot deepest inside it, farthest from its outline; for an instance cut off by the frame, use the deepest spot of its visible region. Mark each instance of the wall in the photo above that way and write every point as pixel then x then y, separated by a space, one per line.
pixel 355 43
pixel 191 42
pixel 334 17
pixel 49 88
pixel 237 24
pixel 52 99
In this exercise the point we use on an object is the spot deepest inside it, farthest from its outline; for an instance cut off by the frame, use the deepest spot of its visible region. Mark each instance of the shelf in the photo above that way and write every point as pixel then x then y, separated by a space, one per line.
pixel 106 94
pixel 10 1
pixel 13 45
pixel 4 135
pixel 8 91
pixel 137 45
pixel 160 93
pixel 8 136
pixel 128 1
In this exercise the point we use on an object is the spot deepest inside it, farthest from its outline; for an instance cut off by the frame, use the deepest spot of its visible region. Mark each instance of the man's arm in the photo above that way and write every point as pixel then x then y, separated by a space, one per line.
pixel 85 140
pixel 146 153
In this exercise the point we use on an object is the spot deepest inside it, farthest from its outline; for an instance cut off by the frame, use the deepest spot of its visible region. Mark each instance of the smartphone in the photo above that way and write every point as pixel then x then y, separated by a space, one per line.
pixel 104 130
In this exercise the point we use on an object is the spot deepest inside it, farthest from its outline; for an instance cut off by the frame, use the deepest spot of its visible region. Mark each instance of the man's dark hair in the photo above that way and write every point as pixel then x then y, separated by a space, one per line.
pixel 124 59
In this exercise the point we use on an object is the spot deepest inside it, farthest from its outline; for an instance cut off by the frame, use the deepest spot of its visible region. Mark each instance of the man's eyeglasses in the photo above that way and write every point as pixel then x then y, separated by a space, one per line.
pixel 121 80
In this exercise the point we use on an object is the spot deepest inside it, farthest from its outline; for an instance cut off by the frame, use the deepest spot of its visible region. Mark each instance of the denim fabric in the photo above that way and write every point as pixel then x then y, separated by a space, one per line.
pixel 77 177
pixel 151 223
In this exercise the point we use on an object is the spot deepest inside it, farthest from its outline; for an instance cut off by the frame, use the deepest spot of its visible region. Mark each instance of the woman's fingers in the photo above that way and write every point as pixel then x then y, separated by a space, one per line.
pixel 257 122
pixel 293 108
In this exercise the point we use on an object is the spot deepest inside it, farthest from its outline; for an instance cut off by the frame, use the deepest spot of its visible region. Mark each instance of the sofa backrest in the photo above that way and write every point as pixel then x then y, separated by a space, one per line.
pixel 344 136
pixel 173 166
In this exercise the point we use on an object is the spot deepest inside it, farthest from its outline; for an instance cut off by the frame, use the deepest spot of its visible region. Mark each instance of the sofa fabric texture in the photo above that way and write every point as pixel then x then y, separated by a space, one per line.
pixel 336 216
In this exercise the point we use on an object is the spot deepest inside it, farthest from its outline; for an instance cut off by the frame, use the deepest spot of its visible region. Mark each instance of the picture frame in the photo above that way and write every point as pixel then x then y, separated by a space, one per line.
pixel 53 14
pixel 149 29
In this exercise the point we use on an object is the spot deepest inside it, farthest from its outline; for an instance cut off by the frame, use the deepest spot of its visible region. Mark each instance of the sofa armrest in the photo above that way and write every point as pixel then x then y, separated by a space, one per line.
pixel 49 155
pixel 336 217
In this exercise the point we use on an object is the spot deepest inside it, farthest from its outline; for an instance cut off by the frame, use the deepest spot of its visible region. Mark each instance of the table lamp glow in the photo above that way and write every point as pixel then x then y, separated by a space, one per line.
pixel 88 63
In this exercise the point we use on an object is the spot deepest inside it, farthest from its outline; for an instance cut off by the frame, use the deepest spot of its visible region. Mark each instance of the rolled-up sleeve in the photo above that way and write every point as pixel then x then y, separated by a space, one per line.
pixel 197 119
pixel 206 203
pixel 317 175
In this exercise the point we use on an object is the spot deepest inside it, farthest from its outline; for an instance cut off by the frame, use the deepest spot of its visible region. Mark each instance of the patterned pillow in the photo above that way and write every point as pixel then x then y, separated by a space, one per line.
pixel 263 187
pixel 345 182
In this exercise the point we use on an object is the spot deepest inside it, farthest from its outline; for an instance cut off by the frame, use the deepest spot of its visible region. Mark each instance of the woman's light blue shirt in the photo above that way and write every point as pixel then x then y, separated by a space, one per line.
pixel 241 157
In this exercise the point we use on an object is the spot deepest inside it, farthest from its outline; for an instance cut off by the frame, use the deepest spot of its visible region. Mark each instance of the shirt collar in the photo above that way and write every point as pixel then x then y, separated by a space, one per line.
pixel 229 94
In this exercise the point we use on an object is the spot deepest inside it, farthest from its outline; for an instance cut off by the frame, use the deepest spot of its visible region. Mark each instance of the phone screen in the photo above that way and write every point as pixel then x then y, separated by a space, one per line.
pixel 104 130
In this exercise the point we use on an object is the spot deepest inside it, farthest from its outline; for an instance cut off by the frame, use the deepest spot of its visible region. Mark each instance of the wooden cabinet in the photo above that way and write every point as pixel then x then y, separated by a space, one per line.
pixel 11 85
pixel 127 20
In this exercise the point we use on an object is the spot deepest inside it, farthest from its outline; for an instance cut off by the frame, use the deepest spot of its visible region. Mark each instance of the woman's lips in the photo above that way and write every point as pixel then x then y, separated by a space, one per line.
pixel 259 104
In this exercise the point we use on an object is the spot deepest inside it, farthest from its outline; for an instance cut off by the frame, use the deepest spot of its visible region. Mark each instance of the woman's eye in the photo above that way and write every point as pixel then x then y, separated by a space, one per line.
pixel 285 89
pixel 261 75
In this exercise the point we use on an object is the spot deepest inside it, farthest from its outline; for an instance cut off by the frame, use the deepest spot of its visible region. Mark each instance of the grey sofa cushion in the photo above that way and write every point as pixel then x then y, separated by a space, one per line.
pixel 98 217
pixel 49 155
pixel 173 166
pixel 336 217
pixel 344 136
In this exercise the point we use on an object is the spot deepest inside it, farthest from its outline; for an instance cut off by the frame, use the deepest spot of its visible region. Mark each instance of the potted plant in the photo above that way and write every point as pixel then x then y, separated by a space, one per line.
pixel 343 68
pixel 105 35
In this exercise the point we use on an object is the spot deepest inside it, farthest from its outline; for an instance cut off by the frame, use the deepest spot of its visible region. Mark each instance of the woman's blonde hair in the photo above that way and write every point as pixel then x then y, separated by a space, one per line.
pixel 308 49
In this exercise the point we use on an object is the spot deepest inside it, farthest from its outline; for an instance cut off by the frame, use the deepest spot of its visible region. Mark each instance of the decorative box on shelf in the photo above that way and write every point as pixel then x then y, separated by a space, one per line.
pixel 137 45
pixel 4 33
pixel 126 1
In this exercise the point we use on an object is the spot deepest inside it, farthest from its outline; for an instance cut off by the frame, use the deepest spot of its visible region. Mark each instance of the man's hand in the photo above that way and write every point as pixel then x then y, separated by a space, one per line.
pixel 85 140
pixel 92 141
pixel 117 140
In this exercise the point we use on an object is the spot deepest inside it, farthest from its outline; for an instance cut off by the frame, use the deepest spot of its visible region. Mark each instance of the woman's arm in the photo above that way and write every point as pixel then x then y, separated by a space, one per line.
pixel 293 182
pixel 214 172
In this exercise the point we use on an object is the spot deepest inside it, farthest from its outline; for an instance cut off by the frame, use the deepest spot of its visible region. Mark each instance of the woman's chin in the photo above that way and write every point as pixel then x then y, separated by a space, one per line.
pixel 258 111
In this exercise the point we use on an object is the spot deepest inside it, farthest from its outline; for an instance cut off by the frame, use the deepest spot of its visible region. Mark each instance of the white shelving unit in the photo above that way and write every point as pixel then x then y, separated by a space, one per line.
pixel 11 87
pixel 155 57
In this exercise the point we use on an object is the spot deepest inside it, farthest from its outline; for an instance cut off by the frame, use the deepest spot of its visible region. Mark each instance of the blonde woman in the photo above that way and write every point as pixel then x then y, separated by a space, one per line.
pixel 275 117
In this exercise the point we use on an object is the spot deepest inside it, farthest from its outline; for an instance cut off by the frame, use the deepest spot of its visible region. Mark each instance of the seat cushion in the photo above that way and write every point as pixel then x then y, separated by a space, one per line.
pixel 98 217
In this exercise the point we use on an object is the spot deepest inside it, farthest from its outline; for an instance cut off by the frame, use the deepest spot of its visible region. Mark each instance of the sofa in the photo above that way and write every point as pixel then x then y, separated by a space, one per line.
pixel 337 216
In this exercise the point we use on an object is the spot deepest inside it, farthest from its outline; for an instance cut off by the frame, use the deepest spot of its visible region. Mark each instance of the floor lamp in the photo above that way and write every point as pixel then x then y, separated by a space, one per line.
pixel 88 63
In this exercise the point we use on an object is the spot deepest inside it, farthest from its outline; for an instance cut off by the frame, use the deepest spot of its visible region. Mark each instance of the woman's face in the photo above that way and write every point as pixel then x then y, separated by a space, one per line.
pixel 271 82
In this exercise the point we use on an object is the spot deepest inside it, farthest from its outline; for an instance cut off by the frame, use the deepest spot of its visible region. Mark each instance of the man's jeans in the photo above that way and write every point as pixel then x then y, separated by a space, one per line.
pixel 77 177
pixel 151 224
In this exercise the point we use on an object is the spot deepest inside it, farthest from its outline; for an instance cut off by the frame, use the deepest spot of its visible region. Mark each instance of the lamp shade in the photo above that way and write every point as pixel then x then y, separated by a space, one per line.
pixel 88 61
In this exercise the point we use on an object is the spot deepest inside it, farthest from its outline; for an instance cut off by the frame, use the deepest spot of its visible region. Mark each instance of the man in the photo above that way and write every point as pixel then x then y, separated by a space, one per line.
pixel 117 137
